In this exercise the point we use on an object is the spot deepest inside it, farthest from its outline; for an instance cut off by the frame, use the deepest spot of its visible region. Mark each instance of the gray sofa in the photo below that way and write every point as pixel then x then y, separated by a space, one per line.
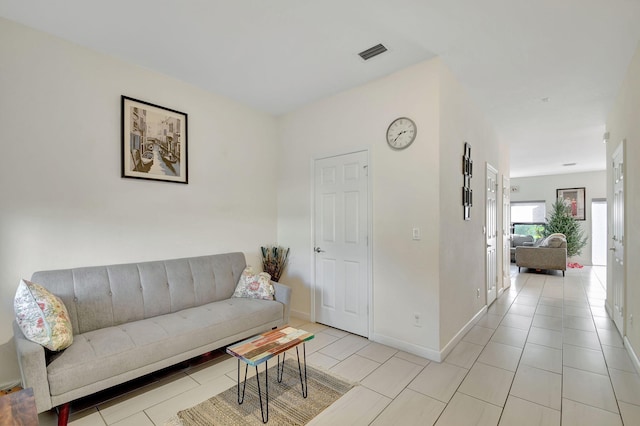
pixel 133 319
pixel 519 240
pixel 549 254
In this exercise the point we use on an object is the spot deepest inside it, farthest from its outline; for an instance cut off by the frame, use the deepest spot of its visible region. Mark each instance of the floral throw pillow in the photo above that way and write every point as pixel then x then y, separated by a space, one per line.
pixel 254 286
pixel 42 316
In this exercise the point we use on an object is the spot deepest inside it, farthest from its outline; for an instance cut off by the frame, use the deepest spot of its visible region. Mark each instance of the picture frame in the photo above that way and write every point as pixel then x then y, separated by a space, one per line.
pixel 574 199
pixel 467 174
pixel 154 142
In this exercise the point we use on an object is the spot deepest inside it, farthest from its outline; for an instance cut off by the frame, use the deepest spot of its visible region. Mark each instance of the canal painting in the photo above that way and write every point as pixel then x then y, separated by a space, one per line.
pixel 154 142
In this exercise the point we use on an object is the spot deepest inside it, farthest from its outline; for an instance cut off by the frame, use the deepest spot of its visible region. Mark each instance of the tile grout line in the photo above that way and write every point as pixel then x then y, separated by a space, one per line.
pixel 521 353
pixel 613 389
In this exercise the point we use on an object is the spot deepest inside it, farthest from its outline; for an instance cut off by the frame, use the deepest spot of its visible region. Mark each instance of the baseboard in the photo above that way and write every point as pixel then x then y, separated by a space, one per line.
pixel 632 354
pixel 430 354
pixel 464 330
pixel 9 385
pixel 427 353
pixel 300 315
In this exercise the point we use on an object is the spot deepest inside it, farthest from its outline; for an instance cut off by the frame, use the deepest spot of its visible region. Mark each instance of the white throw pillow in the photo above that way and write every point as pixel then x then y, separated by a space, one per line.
pixel 554 241
pixel 42 316
pixel 254 286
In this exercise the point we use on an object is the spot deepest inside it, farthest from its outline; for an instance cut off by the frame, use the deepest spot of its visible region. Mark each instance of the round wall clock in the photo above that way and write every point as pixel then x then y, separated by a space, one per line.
pixel 401 133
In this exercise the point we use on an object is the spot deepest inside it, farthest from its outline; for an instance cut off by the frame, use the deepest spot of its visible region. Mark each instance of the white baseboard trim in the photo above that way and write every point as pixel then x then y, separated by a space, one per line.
pixel 632 354
pixel 458 337
pixel 10 385
pixel 430 354
pixel 300 315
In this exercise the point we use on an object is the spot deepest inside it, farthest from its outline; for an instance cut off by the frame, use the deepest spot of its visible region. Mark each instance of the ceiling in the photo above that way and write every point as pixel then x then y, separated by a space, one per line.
pixel 278 55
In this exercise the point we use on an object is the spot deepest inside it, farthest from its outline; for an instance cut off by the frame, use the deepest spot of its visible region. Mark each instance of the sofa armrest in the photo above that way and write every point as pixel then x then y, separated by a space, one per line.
pixel 33 368
pixel 283 295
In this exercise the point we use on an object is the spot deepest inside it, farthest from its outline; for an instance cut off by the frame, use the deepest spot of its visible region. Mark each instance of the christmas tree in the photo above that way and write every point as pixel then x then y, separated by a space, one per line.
pixel 562 222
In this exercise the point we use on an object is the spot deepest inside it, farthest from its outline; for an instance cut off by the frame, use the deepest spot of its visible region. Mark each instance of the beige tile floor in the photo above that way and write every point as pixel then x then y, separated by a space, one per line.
pixel 544 354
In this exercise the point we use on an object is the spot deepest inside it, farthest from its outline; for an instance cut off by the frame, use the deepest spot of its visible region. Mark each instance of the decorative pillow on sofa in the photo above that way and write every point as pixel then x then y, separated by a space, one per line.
pixel 42 316
pixel 254 286
pixel 554 241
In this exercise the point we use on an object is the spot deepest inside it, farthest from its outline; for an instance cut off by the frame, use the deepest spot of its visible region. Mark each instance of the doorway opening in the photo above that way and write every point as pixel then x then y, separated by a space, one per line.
pixel 599 231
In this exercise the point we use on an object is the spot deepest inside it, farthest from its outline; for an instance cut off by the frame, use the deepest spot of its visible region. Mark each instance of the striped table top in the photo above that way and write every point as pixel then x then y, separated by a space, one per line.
pixel 260 348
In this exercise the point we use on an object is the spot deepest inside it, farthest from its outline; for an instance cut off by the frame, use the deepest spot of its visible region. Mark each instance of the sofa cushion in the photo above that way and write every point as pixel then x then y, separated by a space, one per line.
pixel 42 316
pixel 106 296
pixel 101 354
pixel 254 286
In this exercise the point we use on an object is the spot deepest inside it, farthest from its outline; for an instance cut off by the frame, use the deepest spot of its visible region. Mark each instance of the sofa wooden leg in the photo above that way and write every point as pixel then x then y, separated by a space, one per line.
pixel 63 414
pixel 563 273
pixel 518 269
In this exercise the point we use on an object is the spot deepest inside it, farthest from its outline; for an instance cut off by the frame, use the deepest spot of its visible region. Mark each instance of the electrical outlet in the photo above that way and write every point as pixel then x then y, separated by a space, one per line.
pixel 416 233
pixel 631 319
pixel 417 322
pixel 478 294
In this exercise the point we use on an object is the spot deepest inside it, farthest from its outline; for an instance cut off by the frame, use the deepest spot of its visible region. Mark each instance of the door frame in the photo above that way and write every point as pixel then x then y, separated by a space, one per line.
pixel 611 307
pixel 492 169
pixel 506 232
pixel 312 256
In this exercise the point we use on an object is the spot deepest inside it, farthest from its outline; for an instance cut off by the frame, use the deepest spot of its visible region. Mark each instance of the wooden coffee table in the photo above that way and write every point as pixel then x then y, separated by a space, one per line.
pixel 259 349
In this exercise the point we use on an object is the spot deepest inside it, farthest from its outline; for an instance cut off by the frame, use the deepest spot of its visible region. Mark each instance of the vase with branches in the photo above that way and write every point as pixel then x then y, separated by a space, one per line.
pixel 274 260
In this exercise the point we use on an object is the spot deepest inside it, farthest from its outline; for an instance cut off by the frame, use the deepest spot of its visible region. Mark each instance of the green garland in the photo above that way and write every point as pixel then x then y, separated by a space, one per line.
pixel 274 260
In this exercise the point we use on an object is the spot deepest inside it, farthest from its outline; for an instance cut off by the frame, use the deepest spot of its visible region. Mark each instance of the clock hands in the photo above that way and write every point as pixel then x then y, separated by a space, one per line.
pixel 399 134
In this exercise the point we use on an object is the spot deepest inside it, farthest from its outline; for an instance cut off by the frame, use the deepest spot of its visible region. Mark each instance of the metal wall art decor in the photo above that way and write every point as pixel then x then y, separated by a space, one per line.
pixel 467 173
pixel 154 142
pixel 574 200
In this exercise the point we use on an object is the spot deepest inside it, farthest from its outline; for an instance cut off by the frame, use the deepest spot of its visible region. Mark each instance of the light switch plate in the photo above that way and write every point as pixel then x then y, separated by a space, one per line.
pixel 416 233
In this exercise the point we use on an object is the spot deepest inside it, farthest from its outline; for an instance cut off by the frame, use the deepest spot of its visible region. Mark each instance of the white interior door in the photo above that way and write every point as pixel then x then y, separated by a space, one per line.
pixel 341 242
pixel 491 232
pixel 506 231
pixel 617 239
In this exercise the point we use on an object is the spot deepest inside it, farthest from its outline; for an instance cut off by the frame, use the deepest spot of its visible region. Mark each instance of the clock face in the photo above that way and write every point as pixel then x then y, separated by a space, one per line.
pixel 401 133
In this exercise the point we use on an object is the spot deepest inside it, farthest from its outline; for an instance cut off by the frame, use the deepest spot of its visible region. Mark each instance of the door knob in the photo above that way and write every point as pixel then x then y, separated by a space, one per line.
pixel 318 250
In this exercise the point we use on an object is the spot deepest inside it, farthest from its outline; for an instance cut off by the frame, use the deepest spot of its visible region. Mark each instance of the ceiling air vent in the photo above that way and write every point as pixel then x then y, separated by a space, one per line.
pixel 372 51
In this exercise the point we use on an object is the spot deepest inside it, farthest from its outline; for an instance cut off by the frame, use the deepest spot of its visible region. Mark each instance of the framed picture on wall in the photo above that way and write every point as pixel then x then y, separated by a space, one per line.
pixel 154 142
pixel 574 199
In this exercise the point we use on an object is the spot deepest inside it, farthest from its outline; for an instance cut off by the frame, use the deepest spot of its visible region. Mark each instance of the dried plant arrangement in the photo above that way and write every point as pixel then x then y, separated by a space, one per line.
pixel 274 260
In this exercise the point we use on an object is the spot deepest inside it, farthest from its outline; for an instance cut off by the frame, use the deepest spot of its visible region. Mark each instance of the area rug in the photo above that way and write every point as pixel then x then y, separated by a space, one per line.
pixel 286 404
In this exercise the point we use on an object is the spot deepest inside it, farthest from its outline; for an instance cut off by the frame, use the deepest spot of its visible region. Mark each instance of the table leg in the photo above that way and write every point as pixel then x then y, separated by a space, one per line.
pixel 281 367
pixel 305 388
pixel 265 419
pixel 244 386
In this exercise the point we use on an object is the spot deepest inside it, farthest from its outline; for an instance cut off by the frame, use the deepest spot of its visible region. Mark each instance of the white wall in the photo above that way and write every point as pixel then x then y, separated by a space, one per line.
pixel 63 202
pixel 462 243
pixel 416 187
pixel 405 185
pixel 624 123
pixel 539 188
